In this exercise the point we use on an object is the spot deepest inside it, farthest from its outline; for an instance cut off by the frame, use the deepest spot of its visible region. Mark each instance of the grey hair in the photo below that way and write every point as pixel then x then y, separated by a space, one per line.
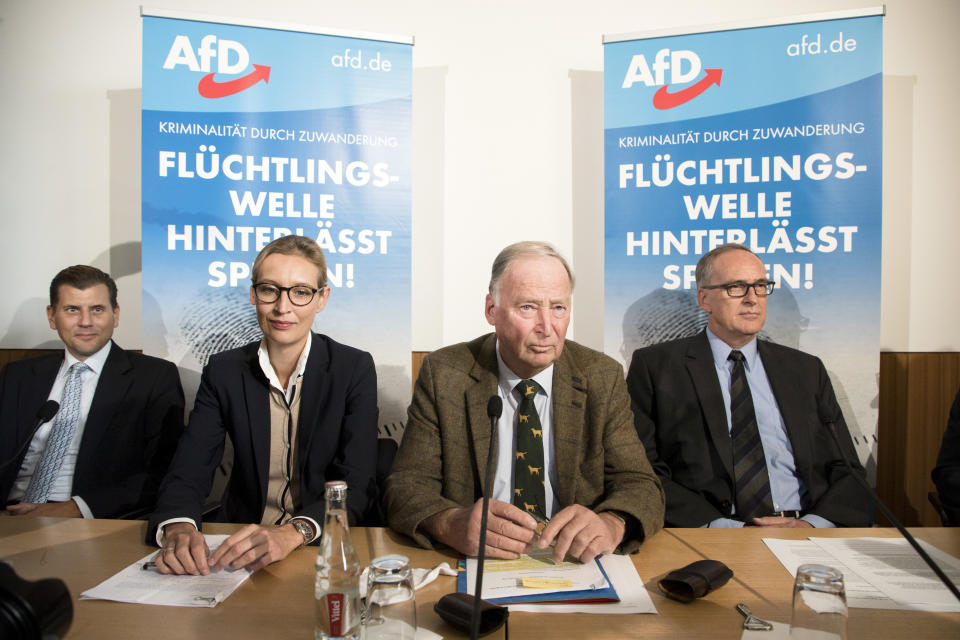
pixel 705 264
pixel 520 250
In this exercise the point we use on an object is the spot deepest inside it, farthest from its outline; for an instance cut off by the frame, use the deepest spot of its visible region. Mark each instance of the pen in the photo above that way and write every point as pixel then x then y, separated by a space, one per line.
pixel 541 524
pixel 148 565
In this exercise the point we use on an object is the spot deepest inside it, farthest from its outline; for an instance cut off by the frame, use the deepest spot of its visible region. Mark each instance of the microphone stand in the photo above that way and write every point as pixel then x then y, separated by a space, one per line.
pixel 831 428
pixel 494 409
pixel 45 413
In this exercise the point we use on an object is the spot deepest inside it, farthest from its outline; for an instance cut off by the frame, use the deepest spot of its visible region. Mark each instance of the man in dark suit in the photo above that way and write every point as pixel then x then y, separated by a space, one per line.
pixel 566 451
pixel 735 427
pixel 105 451
pixel 946 475
pixel 300 410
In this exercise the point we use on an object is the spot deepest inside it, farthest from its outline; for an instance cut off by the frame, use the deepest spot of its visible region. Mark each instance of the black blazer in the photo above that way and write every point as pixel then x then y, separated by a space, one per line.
pixel 131 432
pixel 336 431
pixel 946 475
pixel 679 415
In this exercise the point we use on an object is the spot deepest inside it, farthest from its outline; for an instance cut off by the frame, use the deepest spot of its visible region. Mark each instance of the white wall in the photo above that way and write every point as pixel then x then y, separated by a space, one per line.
pixel 507 101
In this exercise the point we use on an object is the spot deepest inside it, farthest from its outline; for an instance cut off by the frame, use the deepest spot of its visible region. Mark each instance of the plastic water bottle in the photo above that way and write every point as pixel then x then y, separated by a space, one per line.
pixel 337 587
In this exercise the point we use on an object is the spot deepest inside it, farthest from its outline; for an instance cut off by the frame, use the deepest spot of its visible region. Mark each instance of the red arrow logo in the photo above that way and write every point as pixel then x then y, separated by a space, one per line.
pixel 663 99
pixel 210 88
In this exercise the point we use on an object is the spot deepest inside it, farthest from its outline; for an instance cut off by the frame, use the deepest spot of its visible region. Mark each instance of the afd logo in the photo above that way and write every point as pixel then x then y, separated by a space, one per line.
pixel 684 67
pixel 232 58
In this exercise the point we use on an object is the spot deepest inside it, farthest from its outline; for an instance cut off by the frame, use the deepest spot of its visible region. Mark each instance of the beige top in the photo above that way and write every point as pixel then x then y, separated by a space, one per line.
pixel 283 482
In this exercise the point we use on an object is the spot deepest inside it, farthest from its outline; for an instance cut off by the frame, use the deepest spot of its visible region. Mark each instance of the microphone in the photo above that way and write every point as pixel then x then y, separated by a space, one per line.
pixel 463 611
pixel 831 429
pixel 47 411
pixel 45 414
pixel 494 409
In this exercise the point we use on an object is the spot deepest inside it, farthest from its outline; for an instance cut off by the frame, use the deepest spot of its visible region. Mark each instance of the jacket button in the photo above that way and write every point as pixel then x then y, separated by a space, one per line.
pixel 725 506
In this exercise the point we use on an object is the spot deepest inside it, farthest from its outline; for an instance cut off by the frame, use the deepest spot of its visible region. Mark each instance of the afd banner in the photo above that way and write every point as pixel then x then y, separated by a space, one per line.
pixel 769 136
pixel 251 133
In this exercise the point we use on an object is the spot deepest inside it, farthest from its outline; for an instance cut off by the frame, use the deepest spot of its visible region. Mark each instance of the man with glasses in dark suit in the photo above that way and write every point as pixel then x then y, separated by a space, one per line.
pixel 736 427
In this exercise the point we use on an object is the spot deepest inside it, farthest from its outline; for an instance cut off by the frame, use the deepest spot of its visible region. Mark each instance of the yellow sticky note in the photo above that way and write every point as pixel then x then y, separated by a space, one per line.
pixel 544 583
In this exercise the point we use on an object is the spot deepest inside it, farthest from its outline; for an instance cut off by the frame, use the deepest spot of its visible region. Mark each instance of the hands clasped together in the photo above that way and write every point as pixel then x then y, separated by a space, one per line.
pixel 575 530
pixel 779 522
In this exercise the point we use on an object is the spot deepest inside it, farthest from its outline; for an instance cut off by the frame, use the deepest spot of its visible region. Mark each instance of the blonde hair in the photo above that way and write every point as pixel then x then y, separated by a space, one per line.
pixel 294 246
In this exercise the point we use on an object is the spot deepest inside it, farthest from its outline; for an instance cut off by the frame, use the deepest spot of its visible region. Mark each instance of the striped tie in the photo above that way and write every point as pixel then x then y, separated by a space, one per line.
pixel 749 465
pixel 528 471
pixel 61 435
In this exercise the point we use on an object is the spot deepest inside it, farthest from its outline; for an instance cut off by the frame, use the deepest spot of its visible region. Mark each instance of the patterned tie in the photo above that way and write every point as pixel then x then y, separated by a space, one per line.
pixel 61 435
pixel 528 471
pixel 749 465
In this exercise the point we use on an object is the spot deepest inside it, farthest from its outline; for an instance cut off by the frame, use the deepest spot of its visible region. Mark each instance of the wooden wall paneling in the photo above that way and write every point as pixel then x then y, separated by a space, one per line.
pixel 9 355
pixel 416 362
pixel 916 392
pixel 919 453
pixel 892 412
pixel 949 382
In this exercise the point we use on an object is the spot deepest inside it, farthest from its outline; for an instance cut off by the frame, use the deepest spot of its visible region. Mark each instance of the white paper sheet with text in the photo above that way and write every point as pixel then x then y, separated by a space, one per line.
pixel 134 584
pixel 894 567
pixel 860 593
pixel 878 573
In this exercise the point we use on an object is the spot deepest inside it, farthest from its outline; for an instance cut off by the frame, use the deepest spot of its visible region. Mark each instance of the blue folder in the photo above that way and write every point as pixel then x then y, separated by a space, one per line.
pixel 586 596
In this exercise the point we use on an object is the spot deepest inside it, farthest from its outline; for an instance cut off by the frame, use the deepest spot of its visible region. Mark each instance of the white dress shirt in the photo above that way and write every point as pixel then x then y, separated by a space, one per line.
pixel 507 434
pixel 62 485
pixel 787 489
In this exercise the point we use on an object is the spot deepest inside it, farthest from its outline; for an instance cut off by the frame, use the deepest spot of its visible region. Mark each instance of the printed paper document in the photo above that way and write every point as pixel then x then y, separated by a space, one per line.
pixel 137 585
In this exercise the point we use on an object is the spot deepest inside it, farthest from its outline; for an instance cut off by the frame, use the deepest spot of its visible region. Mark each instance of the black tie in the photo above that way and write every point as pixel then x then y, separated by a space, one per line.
pixel 528 471
pixel 749 465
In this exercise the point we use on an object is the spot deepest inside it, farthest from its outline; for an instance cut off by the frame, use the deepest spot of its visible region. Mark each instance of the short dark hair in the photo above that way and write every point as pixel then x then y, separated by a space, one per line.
pixel 294 246
pixel 81 276
pixel 705 265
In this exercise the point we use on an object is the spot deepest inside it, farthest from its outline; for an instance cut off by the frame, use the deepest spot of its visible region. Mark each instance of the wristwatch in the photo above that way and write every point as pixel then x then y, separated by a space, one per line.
pixel 304 528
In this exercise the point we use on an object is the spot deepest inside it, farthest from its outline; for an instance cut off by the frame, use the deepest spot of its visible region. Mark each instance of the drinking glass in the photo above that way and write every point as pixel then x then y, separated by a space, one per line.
pixel 819 604
pixel 391 612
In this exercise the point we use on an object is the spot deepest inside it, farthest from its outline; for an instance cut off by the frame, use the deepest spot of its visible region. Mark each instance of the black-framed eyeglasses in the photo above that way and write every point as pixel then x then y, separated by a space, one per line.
pixel 299 294
pixel 762 288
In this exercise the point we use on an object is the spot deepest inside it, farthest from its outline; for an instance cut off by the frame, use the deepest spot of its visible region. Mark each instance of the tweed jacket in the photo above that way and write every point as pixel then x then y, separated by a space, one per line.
pixel 600 461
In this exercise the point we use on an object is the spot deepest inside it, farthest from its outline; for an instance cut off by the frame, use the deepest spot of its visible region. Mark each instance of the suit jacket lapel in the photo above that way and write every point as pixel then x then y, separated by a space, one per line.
pixel 45 372
pixel 255 390
pixel 700 365
pixel 115 380
pixel 485 374
pixel 569 407
pixel 779 375
pixel 318 364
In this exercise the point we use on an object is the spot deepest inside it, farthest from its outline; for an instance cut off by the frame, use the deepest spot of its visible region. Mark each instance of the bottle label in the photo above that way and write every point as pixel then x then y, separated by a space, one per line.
pixel 335 610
